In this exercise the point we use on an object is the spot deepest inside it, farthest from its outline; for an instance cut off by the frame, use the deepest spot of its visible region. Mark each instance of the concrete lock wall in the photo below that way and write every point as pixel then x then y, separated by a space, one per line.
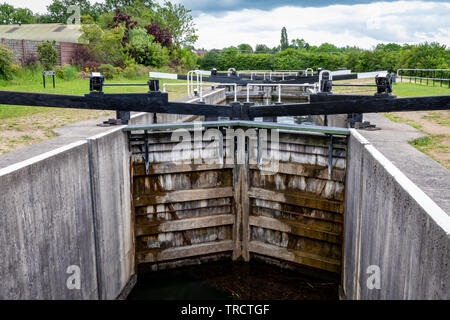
pixel 69 207
pixel 66 213
pixel 46 226
pixel 392 225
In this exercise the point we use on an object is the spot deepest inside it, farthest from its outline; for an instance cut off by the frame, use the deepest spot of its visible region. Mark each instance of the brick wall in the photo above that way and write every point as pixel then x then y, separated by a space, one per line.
pixel 25 48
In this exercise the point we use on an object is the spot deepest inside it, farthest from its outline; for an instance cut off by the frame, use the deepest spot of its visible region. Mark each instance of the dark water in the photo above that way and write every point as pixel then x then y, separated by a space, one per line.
pixel 232 281
pixel 308 120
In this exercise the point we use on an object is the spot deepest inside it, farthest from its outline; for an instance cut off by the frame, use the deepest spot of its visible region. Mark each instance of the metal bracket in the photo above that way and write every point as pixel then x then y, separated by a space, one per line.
pixel 146 156
pixel 330 157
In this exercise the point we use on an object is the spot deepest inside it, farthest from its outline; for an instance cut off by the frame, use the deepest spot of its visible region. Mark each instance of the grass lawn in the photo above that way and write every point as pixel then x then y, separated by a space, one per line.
pixel 22 125
pixel 436 124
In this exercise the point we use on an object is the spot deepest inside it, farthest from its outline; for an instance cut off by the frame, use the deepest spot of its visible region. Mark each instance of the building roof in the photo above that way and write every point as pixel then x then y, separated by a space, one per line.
pixel 41 32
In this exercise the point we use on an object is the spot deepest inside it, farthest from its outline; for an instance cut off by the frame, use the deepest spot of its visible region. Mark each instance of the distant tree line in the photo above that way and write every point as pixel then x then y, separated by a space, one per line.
pixel 299 55
pixel 121 35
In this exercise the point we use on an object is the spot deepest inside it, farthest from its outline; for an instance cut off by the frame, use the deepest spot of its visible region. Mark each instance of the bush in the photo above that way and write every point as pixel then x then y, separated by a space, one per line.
pixel 91 66
pixel 82 56
pixel 135 71
pixel 59 72
pixel 185 58
pixel 30 60
pixel 69 72
pixel 47 55
pixel 6 61
pixel 142 48
pixel 108 71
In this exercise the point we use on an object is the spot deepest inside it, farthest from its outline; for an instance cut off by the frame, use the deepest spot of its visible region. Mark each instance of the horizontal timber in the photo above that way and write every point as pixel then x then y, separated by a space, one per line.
pixel 185 224
pixel 168 168
pixel 182 196
pixel 295 228
pixel 308 259
pixel 297 199
pixel 156 255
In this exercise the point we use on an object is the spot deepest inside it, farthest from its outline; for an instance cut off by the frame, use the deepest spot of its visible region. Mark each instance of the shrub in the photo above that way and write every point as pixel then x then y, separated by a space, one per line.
pixel 161 36
pixel 108 71
pixel 81 56
pixel 83 75
pixel 69 72
pixel 6 61
pixel 47 54
pixel 30 60
pixel 142 48
pixel 91 66
pixel 59 72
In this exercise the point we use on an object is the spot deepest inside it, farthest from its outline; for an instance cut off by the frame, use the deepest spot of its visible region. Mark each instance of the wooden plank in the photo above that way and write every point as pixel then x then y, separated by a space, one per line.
pixel 152 256
pixel 184 224
pixel 303 170
pixel 245 212
pixel 237 211
pixel 182 196
pixel 168 168
pixel 296 228
pixel 295 256
pixel 298 199
pixel 160 188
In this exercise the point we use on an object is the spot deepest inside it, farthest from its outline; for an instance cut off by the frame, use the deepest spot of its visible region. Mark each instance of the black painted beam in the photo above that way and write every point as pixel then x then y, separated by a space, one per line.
pixel 155 102
pixel 369 104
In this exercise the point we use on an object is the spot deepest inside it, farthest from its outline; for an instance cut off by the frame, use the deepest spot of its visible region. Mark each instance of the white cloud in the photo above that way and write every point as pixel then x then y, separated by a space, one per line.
pixel 363 25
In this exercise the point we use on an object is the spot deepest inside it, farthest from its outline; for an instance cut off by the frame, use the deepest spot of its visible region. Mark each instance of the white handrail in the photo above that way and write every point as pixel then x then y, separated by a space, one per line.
pixel 279 85
pixel 235 85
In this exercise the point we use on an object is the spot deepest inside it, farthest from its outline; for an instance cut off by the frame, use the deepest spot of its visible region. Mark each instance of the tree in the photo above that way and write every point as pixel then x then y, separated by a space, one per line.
pixel 57 11
pixel 300 44
pixel 179 21
pixel 262 48
pixel 6 61
pixel 245 48
pixel 47 54
pixel 123 19
pixel 111 5
pixel 284 42
pixel 105 44
pixel 146 51
pixel 11 15
pixel 161 36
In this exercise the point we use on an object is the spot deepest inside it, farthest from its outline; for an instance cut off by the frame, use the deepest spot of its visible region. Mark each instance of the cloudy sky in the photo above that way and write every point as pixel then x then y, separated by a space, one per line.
pixel 364 23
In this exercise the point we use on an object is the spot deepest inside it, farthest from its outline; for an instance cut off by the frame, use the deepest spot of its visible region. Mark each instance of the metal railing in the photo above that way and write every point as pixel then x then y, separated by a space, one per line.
pixel 200 87
pixel 279 86
pixel 425 76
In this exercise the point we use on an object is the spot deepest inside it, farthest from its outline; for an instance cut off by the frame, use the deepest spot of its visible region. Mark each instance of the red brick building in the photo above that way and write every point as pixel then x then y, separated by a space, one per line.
pixel 23 39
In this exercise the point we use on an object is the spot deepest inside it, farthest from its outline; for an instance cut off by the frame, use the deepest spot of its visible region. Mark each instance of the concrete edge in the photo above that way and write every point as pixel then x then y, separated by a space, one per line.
pixel 45 155
pixel 123 295
pixel 440 217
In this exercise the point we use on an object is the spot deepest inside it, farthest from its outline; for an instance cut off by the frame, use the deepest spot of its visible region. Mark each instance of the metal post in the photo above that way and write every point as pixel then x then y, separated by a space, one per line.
pixel 279 93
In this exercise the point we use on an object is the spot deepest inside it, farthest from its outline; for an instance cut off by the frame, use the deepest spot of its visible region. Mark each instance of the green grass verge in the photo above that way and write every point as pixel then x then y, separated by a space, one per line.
pixel 74 87
pixel 416 90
